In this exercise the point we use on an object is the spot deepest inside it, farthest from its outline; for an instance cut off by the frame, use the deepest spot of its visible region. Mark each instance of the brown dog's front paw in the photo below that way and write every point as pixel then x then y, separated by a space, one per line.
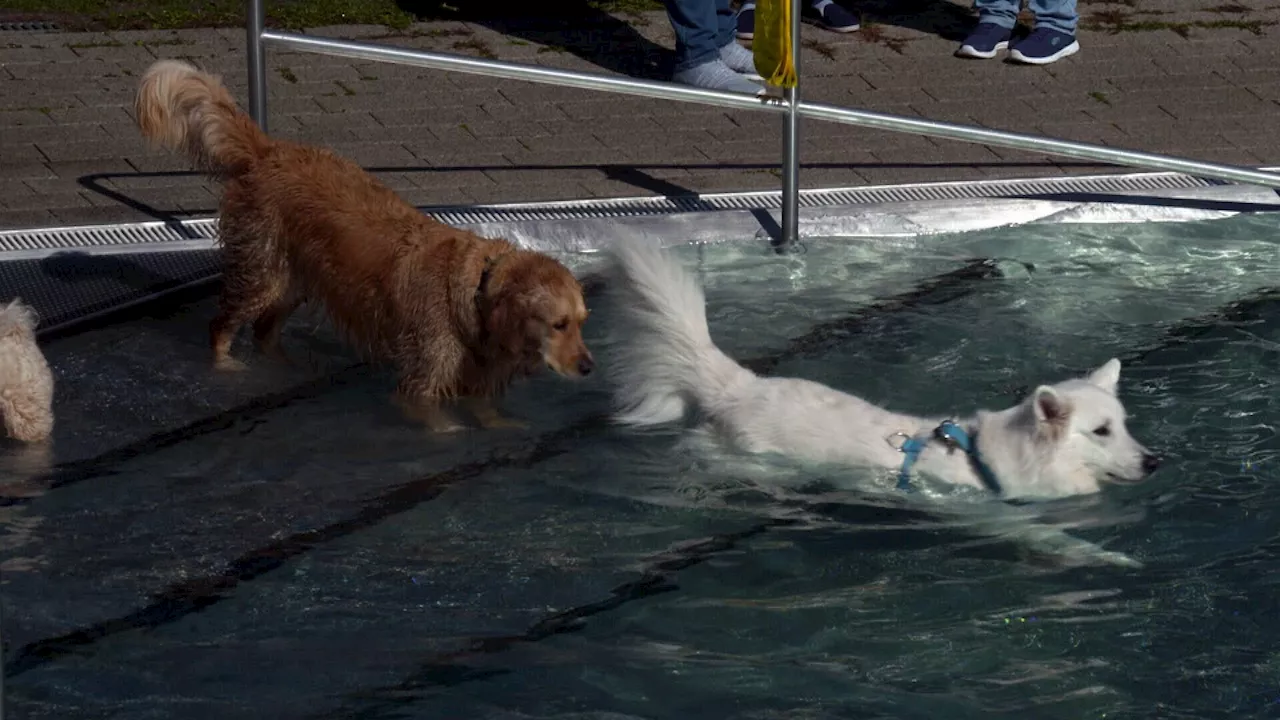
pixel 226 363
pixel 498 422
pixel 444 425
pixel 276 354
pixel 490 419
pixel 430 414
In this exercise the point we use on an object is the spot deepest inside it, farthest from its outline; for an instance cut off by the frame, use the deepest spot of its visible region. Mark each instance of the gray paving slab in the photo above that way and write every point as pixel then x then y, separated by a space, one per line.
pixel 27 218
pixel 1181 82
pixel 62 199
pixel 11 169
pixel 377 154
pixel 97 215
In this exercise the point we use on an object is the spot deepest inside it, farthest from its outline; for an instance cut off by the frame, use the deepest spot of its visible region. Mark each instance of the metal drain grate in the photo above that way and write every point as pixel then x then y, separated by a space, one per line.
pixel 631 207
pixel 29 26
pixel 43 240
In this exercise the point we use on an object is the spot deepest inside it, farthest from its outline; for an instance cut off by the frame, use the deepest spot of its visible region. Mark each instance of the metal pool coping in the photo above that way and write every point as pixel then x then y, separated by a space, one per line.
pixel 199 233
pixel 69 273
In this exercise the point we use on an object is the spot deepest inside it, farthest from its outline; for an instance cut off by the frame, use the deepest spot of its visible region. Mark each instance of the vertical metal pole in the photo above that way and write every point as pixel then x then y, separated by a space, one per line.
pixel 255 19
pixel 791 144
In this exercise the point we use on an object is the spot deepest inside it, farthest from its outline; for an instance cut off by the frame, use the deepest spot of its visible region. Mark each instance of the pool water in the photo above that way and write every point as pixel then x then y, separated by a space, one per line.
pixel 280 544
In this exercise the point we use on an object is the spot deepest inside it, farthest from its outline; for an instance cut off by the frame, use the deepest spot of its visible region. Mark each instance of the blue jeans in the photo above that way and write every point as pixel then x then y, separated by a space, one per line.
pixel 702 28
pixel 1057 15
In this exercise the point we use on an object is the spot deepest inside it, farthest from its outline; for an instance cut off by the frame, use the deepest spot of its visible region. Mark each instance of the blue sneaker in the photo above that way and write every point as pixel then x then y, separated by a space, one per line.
pixel 1044 46
pixel 747 21
pixel 827 14
pixel 985 41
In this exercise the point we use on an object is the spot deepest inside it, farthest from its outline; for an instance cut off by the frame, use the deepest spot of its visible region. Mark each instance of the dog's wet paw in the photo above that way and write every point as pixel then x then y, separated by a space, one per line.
pixel 445 427
pixel 229 364
pixel 499 423
pixel 280 357
pixel 490 418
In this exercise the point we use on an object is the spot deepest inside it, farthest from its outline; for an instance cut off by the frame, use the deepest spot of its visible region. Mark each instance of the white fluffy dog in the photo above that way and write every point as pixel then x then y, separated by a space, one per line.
pixel 1063 440
pixel 26 384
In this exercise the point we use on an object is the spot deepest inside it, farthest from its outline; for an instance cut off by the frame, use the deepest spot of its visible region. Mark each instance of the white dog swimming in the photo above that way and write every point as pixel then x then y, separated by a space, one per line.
pixel 1063 440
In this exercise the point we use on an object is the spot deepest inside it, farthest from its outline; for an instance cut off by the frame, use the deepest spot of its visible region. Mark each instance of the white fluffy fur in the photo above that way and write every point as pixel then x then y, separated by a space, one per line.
pixel 26 384
pixel 1062 440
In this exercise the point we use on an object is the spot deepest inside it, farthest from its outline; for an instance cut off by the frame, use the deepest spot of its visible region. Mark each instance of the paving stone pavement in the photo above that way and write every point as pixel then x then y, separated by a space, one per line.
pixel 1195 78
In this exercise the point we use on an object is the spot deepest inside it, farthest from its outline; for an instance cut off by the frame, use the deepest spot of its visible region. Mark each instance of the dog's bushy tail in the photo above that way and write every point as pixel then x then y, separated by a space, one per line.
pixel 18 317
pixel 184 109
pixel 663 358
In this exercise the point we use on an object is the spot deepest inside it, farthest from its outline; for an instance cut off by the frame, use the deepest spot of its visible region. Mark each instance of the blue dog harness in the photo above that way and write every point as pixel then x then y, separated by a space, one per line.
pixel 954 436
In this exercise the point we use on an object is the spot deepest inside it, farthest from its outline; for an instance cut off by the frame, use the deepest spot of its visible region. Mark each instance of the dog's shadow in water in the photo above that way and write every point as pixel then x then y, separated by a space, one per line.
pixel 843 521
pixel 21 465
pixel 76 267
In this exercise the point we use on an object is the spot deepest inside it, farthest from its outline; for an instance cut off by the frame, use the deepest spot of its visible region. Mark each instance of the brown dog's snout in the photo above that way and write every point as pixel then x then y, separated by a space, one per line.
pixel 586 364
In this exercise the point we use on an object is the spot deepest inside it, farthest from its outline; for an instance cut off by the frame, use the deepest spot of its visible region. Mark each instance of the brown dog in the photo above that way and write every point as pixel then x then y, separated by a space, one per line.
pixel 460 315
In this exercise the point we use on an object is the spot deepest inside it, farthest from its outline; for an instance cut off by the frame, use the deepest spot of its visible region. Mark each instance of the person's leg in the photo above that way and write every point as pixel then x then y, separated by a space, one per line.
pixel 738 58
pixel 996 19
pixel 1057 15
pixel 1001 13
pixel 697 31
pixel 726 23
pixel 1054 36
pixel 699 26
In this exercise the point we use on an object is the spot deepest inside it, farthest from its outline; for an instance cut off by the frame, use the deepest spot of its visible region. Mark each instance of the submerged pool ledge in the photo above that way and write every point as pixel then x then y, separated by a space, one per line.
pixel 72 272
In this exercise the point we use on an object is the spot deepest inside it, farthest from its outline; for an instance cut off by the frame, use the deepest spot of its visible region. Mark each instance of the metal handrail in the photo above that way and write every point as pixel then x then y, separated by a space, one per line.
pixel 517 71
pixel 788 105
pixel 1037 143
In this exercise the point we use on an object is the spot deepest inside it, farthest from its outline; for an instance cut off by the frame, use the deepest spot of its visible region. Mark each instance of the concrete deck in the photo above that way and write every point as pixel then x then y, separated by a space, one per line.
pixel 1195 78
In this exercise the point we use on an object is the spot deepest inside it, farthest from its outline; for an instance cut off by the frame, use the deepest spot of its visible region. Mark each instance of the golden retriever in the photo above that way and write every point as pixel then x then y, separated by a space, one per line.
pixel 461 316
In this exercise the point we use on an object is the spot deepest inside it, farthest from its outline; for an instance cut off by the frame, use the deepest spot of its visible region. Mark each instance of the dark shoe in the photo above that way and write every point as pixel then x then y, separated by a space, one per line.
pixel 985 41
pixel 831 16
pixel 747 21
pixel 1044 46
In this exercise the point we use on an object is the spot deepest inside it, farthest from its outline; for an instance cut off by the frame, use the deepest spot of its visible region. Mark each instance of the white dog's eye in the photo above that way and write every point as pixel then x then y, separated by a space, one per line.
pixel 1102 430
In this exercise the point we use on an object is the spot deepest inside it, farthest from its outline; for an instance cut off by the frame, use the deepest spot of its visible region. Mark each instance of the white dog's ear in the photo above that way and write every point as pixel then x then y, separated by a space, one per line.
pixel 1107 377
pixel 1053 412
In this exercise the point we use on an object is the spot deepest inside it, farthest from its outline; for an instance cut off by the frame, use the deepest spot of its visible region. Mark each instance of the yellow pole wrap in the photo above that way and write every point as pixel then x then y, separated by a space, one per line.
pixel 771 47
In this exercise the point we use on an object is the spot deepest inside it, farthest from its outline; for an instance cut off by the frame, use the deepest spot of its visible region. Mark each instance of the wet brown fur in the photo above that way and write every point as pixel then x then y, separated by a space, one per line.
pixel 460 315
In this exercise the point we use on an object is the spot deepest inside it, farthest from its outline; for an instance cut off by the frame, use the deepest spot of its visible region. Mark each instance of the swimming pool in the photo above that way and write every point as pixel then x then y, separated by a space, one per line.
pixel 279 544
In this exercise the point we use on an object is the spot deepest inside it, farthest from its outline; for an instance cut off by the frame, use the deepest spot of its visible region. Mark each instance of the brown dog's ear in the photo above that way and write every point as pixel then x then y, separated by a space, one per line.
pixel 508 321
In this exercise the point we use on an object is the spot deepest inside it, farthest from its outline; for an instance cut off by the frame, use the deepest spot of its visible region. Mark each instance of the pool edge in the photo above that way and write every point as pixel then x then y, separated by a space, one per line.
pixel 200 232
pixel 74 273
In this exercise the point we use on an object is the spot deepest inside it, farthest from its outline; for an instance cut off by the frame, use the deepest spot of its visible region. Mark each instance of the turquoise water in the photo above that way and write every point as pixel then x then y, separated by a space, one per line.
pixel 314 556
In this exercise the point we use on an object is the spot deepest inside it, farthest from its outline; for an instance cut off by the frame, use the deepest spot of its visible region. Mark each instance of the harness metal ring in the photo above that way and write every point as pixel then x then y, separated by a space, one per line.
pixel 899 447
